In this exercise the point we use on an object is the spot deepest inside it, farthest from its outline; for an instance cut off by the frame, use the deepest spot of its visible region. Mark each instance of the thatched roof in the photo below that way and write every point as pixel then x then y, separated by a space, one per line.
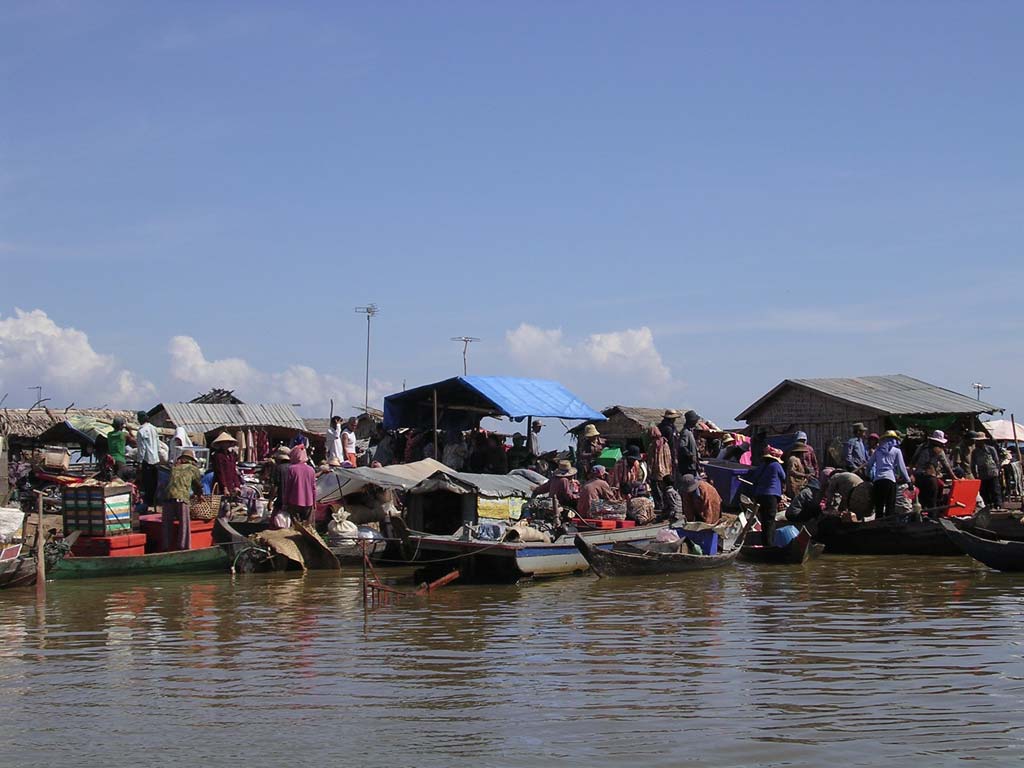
pixel 639 419
pixel 20 422
pixel 217 397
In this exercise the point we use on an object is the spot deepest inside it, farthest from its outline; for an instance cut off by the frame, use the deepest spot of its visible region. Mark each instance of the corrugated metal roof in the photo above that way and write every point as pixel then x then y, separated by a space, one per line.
pixel 199 417
pixel 891 395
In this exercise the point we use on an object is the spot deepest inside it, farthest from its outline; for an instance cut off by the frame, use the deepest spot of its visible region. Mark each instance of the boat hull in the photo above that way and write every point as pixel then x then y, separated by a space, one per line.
pixel 487 560
pixel 885 537
pixel 205 560
pixel 797 552
pixel 999 554
pixel 611 562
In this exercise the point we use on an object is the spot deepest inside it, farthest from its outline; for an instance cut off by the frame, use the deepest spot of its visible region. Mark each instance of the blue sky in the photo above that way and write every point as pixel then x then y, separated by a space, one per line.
pixel 658 203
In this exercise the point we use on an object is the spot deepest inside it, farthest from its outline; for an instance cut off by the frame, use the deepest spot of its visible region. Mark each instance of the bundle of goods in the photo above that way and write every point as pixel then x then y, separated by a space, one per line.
pixel 608 510
pixel 641 509
pixel 98 509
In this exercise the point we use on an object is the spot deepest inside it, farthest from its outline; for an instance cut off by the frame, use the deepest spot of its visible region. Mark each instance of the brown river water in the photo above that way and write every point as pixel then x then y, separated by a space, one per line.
pixel 845 661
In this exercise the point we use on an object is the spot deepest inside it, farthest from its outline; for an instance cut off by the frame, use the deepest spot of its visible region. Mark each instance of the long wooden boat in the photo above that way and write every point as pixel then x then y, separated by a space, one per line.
pixel 797 552
pixel 1000 554
pixel 888 536
pixel 205 560
pixel 633 560
pixel 490 560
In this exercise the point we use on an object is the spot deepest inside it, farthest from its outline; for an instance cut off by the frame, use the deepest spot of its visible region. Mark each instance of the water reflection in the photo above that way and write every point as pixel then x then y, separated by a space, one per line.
pixel 864 660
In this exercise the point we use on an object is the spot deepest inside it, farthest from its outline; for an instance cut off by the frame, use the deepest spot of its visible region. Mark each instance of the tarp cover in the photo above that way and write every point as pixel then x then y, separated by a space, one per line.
pixel 342 482
pixel 492 486
pixel 464 400
pixel 1002 429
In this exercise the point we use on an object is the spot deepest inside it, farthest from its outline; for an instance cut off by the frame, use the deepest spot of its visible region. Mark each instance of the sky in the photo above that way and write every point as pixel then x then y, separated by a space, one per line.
pixel 667 203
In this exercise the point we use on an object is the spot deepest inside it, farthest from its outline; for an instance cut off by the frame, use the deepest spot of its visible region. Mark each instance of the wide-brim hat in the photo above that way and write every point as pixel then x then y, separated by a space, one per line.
pixel 979 436
pixel 729 438
pixel 590 431
pixel 633 452
pixel 224 437
pixel 565 469
pixel 334 462
pixel 800 448
pixel 770 452
pixel 282 454
pixel 690 483
pixel 858 426
pixel 893 434
pixel 189 455
pixel 938 436
pixel 671 413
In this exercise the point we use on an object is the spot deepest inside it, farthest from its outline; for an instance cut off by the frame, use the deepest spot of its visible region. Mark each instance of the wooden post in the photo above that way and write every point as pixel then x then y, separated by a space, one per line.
pixel 40 549
pixel 1013 422
pixel 5 485
pixel 436 457
pixel 529 431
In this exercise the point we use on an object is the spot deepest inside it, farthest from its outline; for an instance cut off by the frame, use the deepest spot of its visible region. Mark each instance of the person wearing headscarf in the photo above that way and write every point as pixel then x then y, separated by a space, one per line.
pixel 225 466
pixel 332 442
pixel 659 462
pixel 886 467
pixel 185 481
pixel 298 485
pixel 767 480
pixel 178 443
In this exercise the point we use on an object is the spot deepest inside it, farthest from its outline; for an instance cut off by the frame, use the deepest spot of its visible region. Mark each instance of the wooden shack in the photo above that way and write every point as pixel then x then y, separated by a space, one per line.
pixel 626 425
pixel 827 409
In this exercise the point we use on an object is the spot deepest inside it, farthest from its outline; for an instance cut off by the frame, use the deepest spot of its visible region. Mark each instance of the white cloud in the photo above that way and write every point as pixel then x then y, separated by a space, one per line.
pixel 295 384
pixel 600 362
pixel 35 351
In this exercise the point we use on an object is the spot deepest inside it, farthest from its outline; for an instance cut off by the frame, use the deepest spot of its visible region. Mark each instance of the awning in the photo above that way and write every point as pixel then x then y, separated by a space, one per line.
pixel 492 486
pixel 1002 429
pixel 464 400
pixel 342 482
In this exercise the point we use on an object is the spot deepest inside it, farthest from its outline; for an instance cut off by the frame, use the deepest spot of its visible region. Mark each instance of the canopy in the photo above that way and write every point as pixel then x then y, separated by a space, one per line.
pixel 342 482
pixel 461 402
pixel 83 430
pixel 492 486
pixel 1002 429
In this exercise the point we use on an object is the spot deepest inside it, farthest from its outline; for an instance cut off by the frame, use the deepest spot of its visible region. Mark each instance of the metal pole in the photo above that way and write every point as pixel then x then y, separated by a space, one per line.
pixel 1013 421
pixel 465 363
pixel 366 391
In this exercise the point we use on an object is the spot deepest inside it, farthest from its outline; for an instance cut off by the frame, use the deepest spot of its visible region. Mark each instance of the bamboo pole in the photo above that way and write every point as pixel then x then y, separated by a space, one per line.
pixel 40 549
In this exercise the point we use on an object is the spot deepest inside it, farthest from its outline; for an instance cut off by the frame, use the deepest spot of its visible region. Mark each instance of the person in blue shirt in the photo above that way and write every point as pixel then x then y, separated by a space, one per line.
pixel 855 451
pixel 767 480
pixel 887 466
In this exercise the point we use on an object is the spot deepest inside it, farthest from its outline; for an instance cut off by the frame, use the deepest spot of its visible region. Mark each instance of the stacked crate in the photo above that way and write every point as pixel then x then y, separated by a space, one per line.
pixel 98 509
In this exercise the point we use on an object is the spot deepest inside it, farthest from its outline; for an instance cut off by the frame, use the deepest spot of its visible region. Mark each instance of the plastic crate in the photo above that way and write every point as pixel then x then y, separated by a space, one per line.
pixel 602 524
pixel 706 540
pixel 725 476
pixel 101 509
pixel 110 546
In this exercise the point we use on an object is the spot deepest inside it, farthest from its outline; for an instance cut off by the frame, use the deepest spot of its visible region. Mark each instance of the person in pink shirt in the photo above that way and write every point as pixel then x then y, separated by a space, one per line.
pixel 298 485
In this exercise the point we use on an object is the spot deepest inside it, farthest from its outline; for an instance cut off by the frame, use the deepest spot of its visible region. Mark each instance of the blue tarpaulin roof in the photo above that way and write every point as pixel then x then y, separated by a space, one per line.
pixel 464 400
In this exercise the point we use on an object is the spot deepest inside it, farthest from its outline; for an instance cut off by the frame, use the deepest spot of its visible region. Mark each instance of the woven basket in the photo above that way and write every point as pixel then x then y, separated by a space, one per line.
pixel 206 508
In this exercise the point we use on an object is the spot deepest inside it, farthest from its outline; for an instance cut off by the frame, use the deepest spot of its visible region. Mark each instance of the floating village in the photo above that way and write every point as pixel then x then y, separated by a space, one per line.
pixel 876 465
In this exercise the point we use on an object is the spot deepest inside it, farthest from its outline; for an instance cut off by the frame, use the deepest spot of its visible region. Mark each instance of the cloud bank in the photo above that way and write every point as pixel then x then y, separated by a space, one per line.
pixel 35 351
pixel 626 361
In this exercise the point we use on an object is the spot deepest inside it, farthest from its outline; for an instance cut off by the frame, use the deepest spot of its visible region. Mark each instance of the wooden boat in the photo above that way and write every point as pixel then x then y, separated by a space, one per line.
pixel 1000 554
pixel 888 536
pixel 637 560
pixel 491 560
pixel 205 560
pixel 798 551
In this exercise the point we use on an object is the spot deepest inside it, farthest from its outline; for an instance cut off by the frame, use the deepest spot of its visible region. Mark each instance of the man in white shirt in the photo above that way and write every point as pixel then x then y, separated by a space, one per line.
pixel 348 441
pixel 335 450
pixel 147 455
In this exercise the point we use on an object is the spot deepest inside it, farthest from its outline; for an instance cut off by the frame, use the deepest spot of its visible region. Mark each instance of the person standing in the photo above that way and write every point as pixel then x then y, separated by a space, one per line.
pixel 667 427
pixel 807 455
pixel 767 480
pixel 332 441
pixel 186 480
pixel 985 464
pixel 688 455
pixel 855 450
pixel 348 442
pixel 225 468
pixel 560 485
pixel 117 439
pixel 533 440
pixel 659 462
pixel 887 467
pixel 147 454
pixel 590 445
pixel 298 485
